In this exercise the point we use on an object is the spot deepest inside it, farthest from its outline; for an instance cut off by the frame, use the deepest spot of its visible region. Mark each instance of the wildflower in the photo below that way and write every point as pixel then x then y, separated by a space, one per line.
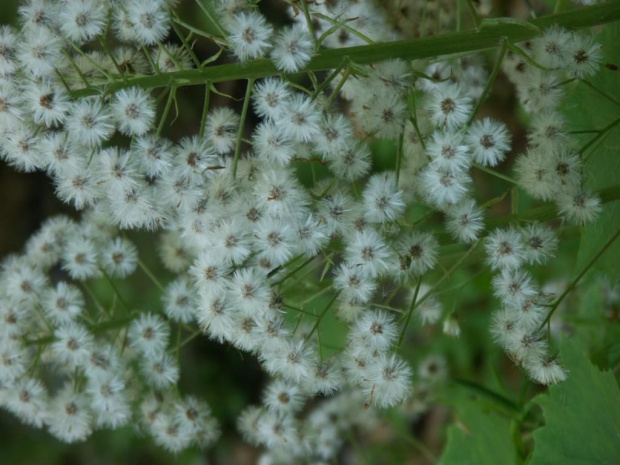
pixel 382 200
pixel 389 381
pixel 133 111
pixel 464 220
pixel 82 20
pixel 89 122
pixel 292 49
pixel 119 258
pixel 448 107
pixel 367 251
pixel 149 334
pixel 579 206
pixel 489 141
pixel 249 35
pixel 221 130
pixel 505 249
pixel 69 418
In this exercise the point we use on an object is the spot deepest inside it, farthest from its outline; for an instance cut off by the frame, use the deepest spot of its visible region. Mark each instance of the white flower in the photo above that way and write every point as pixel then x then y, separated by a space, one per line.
pixel 389 381
pixel 149 334
pixel 545 371
pixel 119 257
pixel 505 249
pixel 444 188
pixel 89 122
pixel 270 97
pixel 249 291
pixel 133 111
pixel 283 397
pixel 352 162
pixel 465 220
pixel 551 49
pixel 28 400
pixel 63 303
pixel 179 301
pixel 447 151
pixel 215 315
pixel 40 52
pixel 419 252
pixel 514 288
pixel 221 130
pixel 160 370
pixel 154 154
pixel 448 107
pixel 540 243
pixel 275 241
pixel 382 199
pixel 82 20
pixel 355 286
pixel 73 344
pixel 270 144
pixel 374 330
pixel 109 401
pixel 292 48
pixel 80 258
pixel 579 207
pixel 584 56
pixel 489 141
pixel 8 44
pixel 300 118
pixel 48 102
pixel 249 35
pixel 367 251
pixel 150 20
pixel 69 418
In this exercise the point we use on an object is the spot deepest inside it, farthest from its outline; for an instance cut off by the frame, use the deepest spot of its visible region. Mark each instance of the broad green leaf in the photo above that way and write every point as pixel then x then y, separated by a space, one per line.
pixel 582 415
pixel 588 109
pixel 478 437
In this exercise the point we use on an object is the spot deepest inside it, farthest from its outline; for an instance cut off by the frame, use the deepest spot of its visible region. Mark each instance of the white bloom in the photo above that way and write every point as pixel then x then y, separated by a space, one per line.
pixel 545 371
pixel 584 56
pixel 579 207
pixel 270 144
pixel 150 20
pixel 109 402
pixel 73 344
pixel 48 102
pixel 300 118
pixel 367 251
pixel 355 286
pixel 80 258
pixel 270 97
pixel 179 301
pixel 63 303
pixel 448 152
pixel 283 397
pixel 69 418
pixel 489 141
pixel 28 400
pixel 134 111
pixel 221 130
pixel 540 243
pixel 119 258
pixel 465 220
pixel 160 370
pixel 514 288
pixel 8 44
pixel 505 249
pixel 40 52
pixel 444 188
pixel 374 330
pixel 249 34
pixel 149 334
pixel 292 49
pixel 419 252
pixel 389 381
pixel 89 122
pixel 382 199
pixel 82 20
pixel 448 107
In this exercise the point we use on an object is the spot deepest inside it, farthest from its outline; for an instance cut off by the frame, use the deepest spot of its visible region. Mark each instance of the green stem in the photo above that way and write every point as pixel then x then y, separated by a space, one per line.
pixel 489 36
pixel 164 116
pixel 399 155
pixel 244 114
pixel 410 312
pixel 600 136
pixel 574 282
pixel 472 11
pixel 205 109
pixel 490 81
pixel 151 276
pixel 495 173
pixel 321 315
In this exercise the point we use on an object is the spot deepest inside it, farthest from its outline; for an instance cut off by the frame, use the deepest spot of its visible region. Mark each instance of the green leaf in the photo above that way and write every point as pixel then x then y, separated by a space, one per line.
pixel 478 437
pixel 582 415
pixel 588 109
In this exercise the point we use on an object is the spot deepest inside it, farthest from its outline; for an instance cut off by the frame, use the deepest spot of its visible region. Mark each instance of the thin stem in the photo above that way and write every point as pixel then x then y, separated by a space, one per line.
pixel 205 109
pixel 574 282
pixel 601 135
pixel 297 309
pixel 213 19
pixel 310 24
pixel 321 315
pixel 346 27
pixel 171 96
pixel 338 87
pixel 115 289
pixel 409 312
pixel 151 276
pixel 487 37
pixel 599 91
pixel 472 11
pixel 295 270
pixel 244 114
pixel 495 173
pixel 399 155
pixel 329 79
pixel 490 81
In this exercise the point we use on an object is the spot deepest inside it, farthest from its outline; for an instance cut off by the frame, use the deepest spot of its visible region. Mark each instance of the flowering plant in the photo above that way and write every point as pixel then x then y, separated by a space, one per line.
pixel 338 226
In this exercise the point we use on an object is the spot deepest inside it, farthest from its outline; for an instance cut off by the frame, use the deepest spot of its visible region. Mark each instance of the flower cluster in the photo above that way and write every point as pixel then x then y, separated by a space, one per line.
pixel 253 249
